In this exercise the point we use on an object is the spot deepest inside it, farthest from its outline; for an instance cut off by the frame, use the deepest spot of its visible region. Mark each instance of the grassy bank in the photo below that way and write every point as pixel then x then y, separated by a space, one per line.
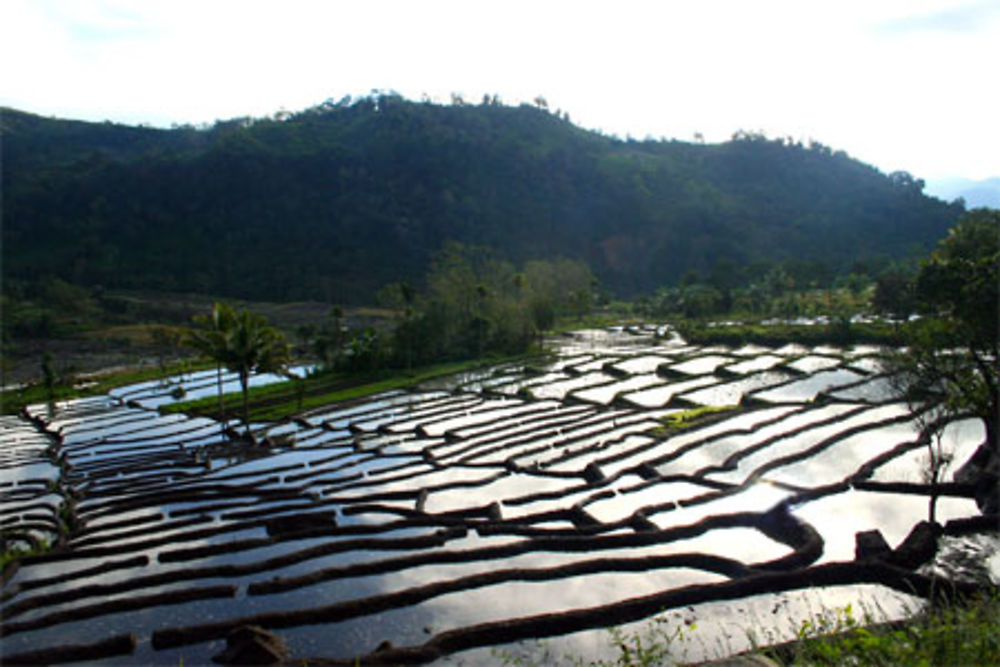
pixel 279 400
pixel 960 633
pixel 93 384
pixel 777 335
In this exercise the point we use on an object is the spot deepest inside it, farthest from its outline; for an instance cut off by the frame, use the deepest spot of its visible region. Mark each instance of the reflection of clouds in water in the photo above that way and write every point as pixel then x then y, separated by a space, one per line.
pixel 516 599
pixel 606 393
pixel 840 516
pixel 474 441
pixel 960 439
pixel 711 630
pixel 731 393
pixel 41 471
pixel 622 505
pixel 842 458
pixel 759 497
pixel 813 363
pixel 746 545
pixel 798 444
pixel 806 390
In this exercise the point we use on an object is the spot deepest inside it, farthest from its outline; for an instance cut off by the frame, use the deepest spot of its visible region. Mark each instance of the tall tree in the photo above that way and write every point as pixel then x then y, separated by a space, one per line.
pixel 255 347
pixel 244 343
pixel 210 337
pixel 954 353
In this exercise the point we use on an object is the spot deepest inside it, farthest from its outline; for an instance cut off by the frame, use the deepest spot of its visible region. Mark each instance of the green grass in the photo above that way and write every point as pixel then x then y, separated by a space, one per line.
pixel 610 316
pixel 960 633
pixel 17 553
pixel 279 400
pixel 11 402
pixel 688 418
pixel 837 333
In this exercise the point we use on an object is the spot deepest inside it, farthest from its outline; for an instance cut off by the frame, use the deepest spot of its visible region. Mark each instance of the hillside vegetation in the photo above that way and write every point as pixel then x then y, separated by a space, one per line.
pixel 333 202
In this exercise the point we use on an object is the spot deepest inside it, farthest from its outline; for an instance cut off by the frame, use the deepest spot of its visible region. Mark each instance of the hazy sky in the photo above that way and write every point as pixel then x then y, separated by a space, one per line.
pixel 902 84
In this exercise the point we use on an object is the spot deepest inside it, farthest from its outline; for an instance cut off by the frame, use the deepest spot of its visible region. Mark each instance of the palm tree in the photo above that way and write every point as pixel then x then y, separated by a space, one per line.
pixel 255 347
pixel 242 342
pixel 211 339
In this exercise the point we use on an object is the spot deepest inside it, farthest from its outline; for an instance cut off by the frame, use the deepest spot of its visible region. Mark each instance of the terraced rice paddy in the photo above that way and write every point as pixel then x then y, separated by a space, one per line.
pixel 472 512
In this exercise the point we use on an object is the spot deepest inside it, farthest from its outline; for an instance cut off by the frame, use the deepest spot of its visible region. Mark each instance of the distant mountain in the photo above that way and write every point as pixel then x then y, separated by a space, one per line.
pixel 977 194
pixel 333 202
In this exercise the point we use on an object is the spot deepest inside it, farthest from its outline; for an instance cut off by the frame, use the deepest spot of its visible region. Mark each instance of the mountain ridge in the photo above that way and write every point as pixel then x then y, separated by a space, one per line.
pixel 334 201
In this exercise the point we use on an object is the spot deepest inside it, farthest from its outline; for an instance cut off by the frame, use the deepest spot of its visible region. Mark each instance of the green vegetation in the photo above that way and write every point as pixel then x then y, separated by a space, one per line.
pixel 953 353
pixel 277 401
pixel 243 343
pixel 352 195
pixel 11 402
pixel 687 418
pixel 17 553
pixel 960 633
pixel 477 304
pixel 842 332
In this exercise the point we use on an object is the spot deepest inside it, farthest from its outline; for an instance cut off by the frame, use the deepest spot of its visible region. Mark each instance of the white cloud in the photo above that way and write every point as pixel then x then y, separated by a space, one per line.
pixel 876 79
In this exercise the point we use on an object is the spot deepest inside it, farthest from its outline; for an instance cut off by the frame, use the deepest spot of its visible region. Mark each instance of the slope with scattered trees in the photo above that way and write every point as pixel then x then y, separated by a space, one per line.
pixel 336 201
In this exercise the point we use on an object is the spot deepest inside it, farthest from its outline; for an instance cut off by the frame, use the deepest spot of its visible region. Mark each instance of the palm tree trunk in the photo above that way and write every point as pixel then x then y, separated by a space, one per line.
pixel 222 414
pixel 244 385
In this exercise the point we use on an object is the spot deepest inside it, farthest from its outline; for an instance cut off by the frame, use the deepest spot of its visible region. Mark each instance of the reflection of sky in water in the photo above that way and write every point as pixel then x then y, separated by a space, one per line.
pixel 801 391
pixel 641 364
pixel 489 411
pixel 625 502
pixel 716 450
pixel 429 411
pixel 107 418
pixel 675 443
pixel 762 363
pixel 594 365
pixel 377 454
pixel 526 382
pixel 844 457
pixel 731 393
pixel 960 440
pixel 751 350
pixel 711 630
pixel 336 414
pixel 702 365
pixel 515 599
pixel 659 396
pixel 840 516
pixel 135 423
pixel 791 350
pixel 813 363
pixel 508 486
pixel 868 365
pixel 754 498
pixel 879 389
pixel 797 444
pixel 38 471
pixel 557 388
pixel 606 393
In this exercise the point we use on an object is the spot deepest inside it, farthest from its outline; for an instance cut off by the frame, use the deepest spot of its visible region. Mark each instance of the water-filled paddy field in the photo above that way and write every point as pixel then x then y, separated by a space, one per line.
pixel 482 512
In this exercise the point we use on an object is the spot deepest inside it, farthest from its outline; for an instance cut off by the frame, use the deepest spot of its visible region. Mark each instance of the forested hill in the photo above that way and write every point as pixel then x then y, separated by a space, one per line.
pixel 333 202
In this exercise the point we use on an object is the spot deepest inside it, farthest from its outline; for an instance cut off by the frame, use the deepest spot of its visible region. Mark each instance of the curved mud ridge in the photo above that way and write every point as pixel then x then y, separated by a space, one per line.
pixel 371 522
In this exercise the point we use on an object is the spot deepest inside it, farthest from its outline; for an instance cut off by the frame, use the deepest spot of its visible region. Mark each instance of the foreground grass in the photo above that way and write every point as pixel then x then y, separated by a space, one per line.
pixel 960 633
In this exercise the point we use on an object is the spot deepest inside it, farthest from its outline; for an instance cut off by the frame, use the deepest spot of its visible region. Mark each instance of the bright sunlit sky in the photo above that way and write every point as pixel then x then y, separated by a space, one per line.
pixel 901 84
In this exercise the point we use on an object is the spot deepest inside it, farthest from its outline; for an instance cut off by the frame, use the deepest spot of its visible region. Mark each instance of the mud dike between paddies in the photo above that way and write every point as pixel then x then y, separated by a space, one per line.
pixel 481 510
